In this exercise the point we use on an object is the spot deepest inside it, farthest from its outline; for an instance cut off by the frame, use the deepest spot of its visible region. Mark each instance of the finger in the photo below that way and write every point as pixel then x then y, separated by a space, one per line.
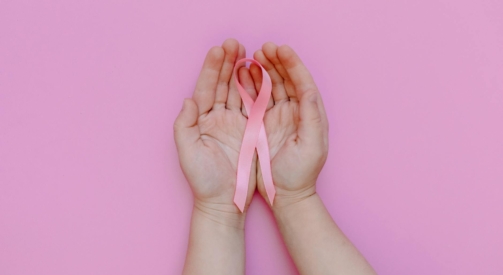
pixel 311 128
pixel 247 82
pixel 256 74
pixel 206 86
pixel 323 112
pixel 324 119
pixel 298 73
pixel 231 48
pixel 278 89
pixel 271 52
pixel 185 127
pixel 234 99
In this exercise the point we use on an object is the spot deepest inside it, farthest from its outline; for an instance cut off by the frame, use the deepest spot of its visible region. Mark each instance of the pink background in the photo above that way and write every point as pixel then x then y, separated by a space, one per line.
pixel 89 177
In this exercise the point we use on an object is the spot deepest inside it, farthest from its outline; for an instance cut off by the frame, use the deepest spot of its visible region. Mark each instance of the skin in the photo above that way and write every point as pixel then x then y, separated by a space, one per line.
pixel 208 134
pixel 297 129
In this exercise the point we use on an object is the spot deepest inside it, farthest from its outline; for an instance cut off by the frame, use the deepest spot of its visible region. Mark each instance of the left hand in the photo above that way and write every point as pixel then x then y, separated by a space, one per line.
pixel 295 123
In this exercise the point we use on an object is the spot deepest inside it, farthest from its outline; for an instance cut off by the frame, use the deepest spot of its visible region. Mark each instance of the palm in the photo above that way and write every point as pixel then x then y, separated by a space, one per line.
pixel 216 154
pixel 281 123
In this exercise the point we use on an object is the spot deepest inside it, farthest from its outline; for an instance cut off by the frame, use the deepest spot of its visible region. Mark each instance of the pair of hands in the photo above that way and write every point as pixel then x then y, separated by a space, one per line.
pixel 210 128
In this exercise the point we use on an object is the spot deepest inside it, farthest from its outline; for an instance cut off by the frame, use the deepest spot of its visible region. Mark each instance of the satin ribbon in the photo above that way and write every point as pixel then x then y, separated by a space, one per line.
pixel 254 137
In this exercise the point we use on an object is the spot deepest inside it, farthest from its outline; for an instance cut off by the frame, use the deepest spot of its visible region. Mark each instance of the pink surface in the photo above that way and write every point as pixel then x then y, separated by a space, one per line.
pixel 89 178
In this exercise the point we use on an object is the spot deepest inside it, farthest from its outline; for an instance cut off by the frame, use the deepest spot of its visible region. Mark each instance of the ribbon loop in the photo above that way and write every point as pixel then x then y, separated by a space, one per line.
pixel 254 137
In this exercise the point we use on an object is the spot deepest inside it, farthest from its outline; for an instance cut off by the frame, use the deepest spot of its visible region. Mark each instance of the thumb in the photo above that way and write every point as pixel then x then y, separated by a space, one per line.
pixel 185 127
pixel 310 124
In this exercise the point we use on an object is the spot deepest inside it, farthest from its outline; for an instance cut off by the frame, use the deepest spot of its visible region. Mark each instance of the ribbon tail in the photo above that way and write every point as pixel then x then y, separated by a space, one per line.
pixel 240 197
pixel 265 164
pixel 243 173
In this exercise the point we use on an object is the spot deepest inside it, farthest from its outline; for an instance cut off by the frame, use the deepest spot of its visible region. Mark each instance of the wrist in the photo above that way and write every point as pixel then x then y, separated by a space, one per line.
pixel 226 215
pixel 291 206
pixel 286 198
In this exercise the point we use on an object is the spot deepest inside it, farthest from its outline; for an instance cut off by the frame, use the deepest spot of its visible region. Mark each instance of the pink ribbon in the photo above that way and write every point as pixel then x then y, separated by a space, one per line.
pixel 254 137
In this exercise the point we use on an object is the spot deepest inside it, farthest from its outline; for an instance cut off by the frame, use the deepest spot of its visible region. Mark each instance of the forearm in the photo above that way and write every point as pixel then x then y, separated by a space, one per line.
pixel 314 241
pixel 216 242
